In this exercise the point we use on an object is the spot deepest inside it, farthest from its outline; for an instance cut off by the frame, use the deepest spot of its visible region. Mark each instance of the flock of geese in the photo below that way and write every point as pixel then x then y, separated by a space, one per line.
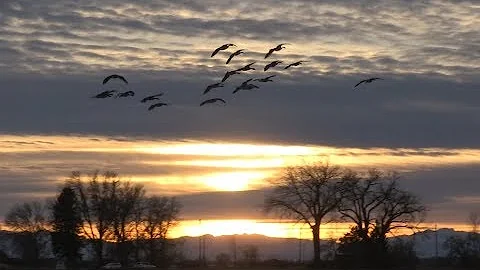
pixel 246 85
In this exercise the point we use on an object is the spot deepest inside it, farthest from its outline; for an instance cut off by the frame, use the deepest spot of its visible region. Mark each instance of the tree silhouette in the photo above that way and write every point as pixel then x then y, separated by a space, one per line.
pixel 66 226
pixel 160 214
pixel 29 219
pixel 250 254
pixel 376 205
pixel 95 201
pixel 306 193
pixel 124 201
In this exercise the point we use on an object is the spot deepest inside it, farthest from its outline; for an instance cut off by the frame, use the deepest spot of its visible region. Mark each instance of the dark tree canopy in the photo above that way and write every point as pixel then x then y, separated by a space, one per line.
pixel 376 205
pixel 66 226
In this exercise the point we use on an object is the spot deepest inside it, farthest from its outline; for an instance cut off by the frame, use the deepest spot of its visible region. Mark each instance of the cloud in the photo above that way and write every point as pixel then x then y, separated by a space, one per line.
pixel 34 167
pixel 54 56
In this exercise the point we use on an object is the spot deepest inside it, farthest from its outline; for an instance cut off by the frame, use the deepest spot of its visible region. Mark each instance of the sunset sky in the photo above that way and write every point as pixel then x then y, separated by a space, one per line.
pixel 422 120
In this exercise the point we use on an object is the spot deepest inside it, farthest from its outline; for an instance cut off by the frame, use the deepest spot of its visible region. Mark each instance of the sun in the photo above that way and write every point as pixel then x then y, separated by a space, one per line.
pixel 233 181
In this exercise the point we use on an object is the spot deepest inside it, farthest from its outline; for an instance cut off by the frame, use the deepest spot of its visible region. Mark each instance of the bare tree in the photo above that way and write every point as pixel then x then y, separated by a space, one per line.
pixel 161 213
pixel 307 194
pixel 125 199
pixel 27 217
pixel 474 219
pixel 376 202
pixel 30 220
pixel 95 199
pixel 376 205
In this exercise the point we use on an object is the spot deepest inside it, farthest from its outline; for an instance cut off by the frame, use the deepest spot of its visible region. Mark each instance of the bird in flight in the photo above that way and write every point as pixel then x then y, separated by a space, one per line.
pixel 247 67
pixel 153 97
pixel 114 76
pixel 234 54
pixel 126 94
pixel 266 79
pixel 246 82
pixel 295 64
pixel 367 81
pixel 105 94
pixel 271 65
pixel 212 100
pixel 246 86
pixel 160 104
pixel 212 86
pixel 221 48
pixel 229 73
pixel 276 49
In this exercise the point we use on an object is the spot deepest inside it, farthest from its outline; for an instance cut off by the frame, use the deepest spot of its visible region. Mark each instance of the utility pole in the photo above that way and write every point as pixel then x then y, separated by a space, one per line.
pixel 234 249
pixel 204 259
pixel 299 245
pixel 436 243
pixel 200 243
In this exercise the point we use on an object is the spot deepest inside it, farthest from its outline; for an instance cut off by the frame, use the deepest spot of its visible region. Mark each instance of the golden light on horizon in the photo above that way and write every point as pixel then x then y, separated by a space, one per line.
pixel 182 167
pixel 239 226
pixel 274 228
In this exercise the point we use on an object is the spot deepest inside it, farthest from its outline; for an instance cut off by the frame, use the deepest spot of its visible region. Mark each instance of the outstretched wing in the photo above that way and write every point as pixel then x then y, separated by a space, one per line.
pixel 227 74
pixel 123 79
pixel 230 58
pixel 216 51
pixel 107 79
pixel 269 53
pixel 362 81
pixel 207 89
pixel 205 102
pixel 114 76
pixel 247 81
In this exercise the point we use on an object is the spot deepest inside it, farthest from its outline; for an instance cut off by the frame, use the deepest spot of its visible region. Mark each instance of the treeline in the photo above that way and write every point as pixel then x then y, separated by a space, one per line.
pixel 465 251
pixel 92 210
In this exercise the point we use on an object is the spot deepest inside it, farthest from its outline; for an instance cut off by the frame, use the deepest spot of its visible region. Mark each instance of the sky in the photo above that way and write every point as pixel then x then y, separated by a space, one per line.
pixel 422 119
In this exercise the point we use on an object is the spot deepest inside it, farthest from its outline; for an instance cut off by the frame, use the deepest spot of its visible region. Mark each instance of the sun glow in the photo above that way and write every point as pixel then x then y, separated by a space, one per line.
pixel 274 228
pixel 240 226
pixel 234 181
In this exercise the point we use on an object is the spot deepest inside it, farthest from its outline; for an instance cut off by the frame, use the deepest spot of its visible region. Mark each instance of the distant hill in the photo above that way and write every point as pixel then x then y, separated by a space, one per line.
pixel 269 248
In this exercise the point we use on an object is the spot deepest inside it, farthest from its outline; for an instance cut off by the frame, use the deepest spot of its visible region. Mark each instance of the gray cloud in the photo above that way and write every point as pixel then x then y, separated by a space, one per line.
pixel 54 56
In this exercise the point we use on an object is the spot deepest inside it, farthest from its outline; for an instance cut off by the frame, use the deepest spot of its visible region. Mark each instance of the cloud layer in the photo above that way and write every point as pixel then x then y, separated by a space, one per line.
pixel 422 119
pixel 226 180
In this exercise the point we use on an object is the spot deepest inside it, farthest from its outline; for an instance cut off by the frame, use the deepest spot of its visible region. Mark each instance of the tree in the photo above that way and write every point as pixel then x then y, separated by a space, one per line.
pixel 95 204
pixel 463 252
pixel 474 220
pixel 125 199
pixel 249 254
pixel 223 260
pixel 66 226
pixel 26 217
pixel 160 214
pixel 376 205
pixel 306 193
pixel 118 211
pixel 29 219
